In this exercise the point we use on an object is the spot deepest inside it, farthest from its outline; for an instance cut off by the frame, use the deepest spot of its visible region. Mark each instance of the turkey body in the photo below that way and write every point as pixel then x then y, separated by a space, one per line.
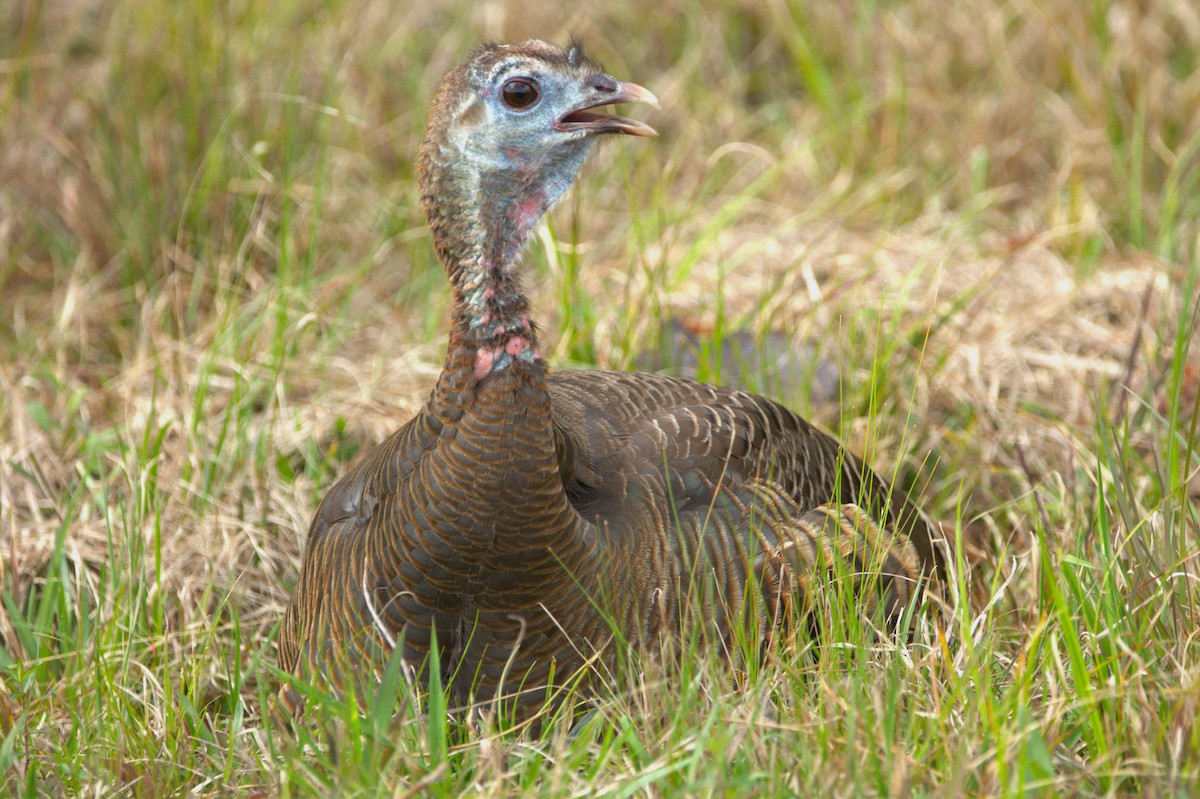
pixel 522 520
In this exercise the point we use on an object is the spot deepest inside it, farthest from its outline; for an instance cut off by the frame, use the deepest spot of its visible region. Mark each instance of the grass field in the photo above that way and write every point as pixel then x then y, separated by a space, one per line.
pixel 974 226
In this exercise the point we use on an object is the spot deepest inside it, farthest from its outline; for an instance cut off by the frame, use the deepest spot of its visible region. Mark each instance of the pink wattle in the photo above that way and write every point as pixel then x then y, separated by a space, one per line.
pixel 529 211
pixel 484 359
pixel 514 346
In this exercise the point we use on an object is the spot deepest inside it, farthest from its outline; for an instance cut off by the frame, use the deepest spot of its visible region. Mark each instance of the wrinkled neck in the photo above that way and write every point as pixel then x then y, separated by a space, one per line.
pixel 482 216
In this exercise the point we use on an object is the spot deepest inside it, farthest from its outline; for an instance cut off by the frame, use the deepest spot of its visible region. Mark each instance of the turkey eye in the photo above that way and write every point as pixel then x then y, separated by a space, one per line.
pixel 519 94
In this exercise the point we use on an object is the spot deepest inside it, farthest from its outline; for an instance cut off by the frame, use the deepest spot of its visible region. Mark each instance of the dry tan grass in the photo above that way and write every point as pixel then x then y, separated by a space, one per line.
pixel 1031 352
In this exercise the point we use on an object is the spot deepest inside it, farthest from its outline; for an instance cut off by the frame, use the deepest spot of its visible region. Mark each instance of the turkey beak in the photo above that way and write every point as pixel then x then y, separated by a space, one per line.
pixel 609 91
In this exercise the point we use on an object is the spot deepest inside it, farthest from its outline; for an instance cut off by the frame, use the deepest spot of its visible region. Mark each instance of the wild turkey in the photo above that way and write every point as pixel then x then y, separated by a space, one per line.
pixel 521 517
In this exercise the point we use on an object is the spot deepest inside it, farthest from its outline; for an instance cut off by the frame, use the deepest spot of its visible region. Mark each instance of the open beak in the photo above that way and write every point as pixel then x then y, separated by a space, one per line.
pixel 584 118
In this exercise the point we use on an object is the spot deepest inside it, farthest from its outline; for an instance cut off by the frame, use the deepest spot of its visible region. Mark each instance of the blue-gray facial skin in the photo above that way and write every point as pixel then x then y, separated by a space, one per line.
pixel 520 133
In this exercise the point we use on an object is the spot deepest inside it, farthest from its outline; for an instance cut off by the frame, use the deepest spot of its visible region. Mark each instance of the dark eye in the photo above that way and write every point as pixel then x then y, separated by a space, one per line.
pixel 519 94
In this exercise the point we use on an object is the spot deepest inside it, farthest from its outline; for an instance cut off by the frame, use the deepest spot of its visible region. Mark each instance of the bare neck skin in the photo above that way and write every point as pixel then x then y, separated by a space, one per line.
pixel 507 133
pixel 482 216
